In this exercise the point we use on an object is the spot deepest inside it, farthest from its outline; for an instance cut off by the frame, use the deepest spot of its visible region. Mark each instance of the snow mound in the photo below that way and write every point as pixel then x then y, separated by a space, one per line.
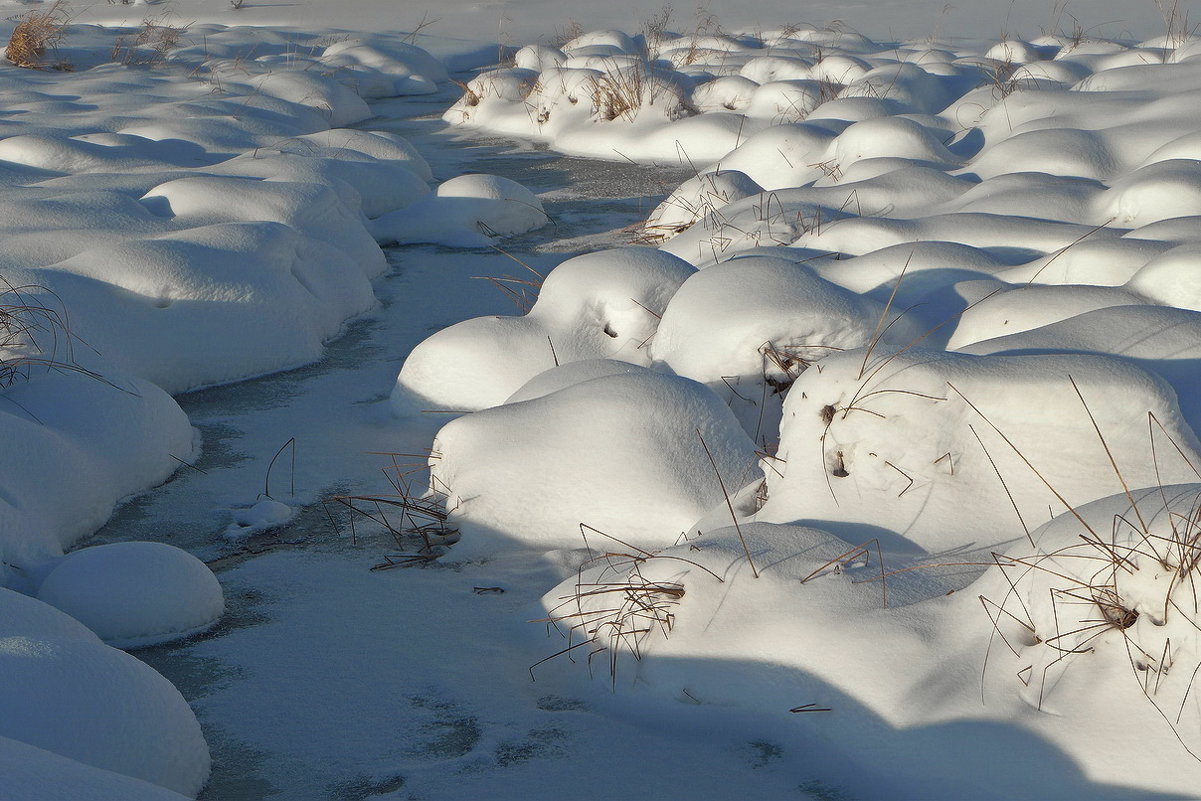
pixel 696 199
pixel 782 156
pixel 1108 262
pixel 952 451
pixel 625 454
pixel 1160 191
pixel 1103 603
pixel 313 211
pixel 1028 307
pixel 212 303
pixel 101 707
pixel 1161 340
pixel 570 374
pixel 376 68
pixel 28 617
pixel 263 515
pixel 1171 278
pixel 748 327
pixel 341 105
pixel 467 211
pixel 67 457
pixel 135 594
pixel 33 774
pixel 603 305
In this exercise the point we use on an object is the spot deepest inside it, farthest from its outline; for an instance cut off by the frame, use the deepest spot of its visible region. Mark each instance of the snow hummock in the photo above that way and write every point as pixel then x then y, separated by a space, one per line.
pixel 70 453
pixel 262 515
pixel 626 454
pixel 943 298
pixel 603 305
pixel 100 706
pixel 135 594
pixel 34 774
pixel 467 211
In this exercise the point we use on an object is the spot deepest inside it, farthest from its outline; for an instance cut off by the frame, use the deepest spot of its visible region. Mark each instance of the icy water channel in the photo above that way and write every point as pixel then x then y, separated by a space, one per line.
pixel 327 680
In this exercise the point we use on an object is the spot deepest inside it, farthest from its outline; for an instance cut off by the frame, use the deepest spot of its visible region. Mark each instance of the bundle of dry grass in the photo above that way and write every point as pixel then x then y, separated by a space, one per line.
pixel 422 531
pixel 35 33
pixel 151 44
pixel 34 336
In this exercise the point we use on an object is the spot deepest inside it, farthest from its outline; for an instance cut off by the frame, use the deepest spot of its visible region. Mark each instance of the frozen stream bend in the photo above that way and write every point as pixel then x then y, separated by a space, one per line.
pixel 328 680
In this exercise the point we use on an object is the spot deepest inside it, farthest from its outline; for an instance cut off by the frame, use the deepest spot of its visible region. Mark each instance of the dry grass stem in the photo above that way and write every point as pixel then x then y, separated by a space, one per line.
pixel 36 33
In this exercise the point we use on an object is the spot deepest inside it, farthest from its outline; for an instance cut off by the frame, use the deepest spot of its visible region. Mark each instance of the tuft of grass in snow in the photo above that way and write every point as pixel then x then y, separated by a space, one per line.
pixel 619 93
pixel 151 44
pixel 569 32
pixel 1102 586
pixel 32 335
pixel 705 25
pixel 470 96
pixel 522 291
pixel 655 31
pixel 36 33
pixel 416 522
pixel 1177 28
pixel 620 608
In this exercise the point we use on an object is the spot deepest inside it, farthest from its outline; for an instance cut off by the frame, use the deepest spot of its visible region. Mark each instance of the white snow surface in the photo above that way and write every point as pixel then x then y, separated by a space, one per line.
pixel 182 213
pixel 880 436
pixel 858 215
pixel 603 305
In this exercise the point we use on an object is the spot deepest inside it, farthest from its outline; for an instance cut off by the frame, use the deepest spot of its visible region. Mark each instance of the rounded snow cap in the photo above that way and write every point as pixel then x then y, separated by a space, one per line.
pixel 135 594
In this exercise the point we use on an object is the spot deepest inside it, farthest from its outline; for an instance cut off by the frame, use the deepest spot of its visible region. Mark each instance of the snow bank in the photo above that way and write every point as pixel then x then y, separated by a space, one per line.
pixel 172 219
pixel 148 219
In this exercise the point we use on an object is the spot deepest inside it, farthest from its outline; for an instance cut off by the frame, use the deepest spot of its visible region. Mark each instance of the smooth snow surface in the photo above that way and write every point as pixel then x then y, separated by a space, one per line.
pixel 134 594
pixel 32 774
pixel 842 443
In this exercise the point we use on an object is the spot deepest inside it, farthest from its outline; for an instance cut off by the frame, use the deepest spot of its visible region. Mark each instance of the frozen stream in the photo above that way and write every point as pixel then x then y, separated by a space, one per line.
pixel 328 680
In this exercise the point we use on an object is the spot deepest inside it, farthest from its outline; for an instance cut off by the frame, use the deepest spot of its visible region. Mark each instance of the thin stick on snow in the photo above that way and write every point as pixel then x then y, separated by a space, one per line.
pixel 729 504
